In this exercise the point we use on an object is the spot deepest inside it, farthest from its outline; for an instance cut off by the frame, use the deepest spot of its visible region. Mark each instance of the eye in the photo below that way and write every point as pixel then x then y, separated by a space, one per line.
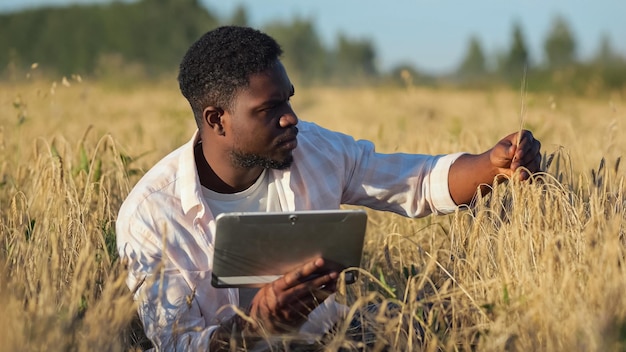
pixel 272 107
pixel 278 105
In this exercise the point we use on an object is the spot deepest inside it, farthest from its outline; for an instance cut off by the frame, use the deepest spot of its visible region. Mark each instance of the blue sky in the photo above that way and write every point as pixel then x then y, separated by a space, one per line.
pixel 431 34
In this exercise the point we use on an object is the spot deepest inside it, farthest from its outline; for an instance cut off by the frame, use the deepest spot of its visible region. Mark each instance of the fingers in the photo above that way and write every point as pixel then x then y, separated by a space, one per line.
pixel 308 286
pixel 315 290
pixel 527 155
pixel 313 270
pixel 300 274
pixel 286 302
pixel 285 311
pixel 298 303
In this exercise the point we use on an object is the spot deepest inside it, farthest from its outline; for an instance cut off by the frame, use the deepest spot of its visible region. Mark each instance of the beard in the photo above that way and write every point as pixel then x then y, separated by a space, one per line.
pixel 249 161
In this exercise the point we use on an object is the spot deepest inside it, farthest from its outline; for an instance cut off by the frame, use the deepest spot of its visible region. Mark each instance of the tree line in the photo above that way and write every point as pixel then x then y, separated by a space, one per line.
pixel 147 38
pixel 560 68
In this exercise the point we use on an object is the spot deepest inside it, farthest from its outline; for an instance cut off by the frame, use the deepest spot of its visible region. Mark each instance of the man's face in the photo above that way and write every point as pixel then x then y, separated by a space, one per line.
pixel 262 130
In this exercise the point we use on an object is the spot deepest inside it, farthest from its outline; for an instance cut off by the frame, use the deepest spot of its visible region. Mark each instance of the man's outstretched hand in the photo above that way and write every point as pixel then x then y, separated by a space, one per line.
pixel 471 171
pixel 507 156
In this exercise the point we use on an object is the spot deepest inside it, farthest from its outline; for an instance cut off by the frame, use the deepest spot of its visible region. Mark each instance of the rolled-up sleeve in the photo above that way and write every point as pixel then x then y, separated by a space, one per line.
pixel 438 183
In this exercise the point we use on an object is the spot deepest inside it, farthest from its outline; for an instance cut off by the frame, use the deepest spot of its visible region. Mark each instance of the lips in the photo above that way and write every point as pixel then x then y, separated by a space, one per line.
pixel 289 137
pixel 289 141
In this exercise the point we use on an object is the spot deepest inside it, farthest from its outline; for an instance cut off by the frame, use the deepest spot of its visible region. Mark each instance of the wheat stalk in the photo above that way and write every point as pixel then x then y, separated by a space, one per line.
pixel 522 114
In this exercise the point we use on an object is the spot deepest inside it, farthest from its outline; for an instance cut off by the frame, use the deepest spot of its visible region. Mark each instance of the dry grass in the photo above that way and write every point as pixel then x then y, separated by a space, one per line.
pixel 536 266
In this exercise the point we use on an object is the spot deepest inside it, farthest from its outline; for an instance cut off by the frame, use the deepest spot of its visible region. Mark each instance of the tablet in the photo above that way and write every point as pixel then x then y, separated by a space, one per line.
pixel 252 249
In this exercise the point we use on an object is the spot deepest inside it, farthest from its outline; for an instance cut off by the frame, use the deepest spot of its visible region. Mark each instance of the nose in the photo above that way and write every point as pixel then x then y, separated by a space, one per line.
pixel 288 119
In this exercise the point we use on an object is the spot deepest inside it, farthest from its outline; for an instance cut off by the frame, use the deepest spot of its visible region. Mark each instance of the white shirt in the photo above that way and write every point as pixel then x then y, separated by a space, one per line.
pixel 165 228
pixel 261 196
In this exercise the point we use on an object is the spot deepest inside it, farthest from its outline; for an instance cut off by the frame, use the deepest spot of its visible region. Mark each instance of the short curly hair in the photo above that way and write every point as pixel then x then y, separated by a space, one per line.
pixel 221 62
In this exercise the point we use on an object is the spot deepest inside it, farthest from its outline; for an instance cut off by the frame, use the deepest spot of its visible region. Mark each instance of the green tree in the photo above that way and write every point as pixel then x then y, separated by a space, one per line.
pixel 517 59
pixel 240 16
pixel 304 55
pixel 355 60
pixel 606 55
pixel 160 38
pixel 474 64
pixel 609 65
pixel 75 39
pixel 560 45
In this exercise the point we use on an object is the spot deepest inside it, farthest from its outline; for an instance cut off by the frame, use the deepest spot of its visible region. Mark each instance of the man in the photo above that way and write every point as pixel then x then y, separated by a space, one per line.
pixel 251 153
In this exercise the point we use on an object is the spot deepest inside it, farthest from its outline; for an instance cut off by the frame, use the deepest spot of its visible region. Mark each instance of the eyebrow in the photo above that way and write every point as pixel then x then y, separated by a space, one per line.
pixel 274 101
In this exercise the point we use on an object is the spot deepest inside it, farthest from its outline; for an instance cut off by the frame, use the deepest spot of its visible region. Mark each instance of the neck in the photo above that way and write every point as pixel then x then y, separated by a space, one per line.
pixel 228 179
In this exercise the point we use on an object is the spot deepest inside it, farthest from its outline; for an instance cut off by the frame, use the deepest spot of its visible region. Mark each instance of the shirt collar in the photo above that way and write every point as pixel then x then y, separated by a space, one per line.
pixel 191 190
pixel 188 181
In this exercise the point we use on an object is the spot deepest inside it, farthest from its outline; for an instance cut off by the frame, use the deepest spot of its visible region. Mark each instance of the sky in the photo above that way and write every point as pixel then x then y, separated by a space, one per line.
pixel 432 35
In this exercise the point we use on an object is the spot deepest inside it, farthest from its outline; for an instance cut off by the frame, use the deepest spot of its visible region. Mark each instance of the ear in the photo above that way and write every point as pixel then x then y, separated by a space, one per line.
pixel 212 117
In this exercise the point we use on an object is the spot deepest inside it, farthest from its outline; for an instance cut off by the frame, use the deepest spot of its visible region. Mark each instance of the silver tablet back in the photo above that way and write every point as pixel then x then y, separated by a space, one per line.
pixel 252 249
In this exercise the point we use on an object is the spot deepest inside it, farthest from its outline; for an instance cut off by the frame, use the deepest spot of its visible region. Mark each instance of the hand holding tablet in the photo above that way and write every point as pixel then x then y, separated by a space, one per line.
pixel 253 249
pixel 284 304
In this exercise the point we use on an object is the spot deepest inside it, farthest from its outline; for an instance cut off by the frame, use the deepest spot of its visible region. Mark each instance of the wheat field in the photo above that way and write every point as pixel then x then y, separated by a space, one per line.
pixel 531 266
